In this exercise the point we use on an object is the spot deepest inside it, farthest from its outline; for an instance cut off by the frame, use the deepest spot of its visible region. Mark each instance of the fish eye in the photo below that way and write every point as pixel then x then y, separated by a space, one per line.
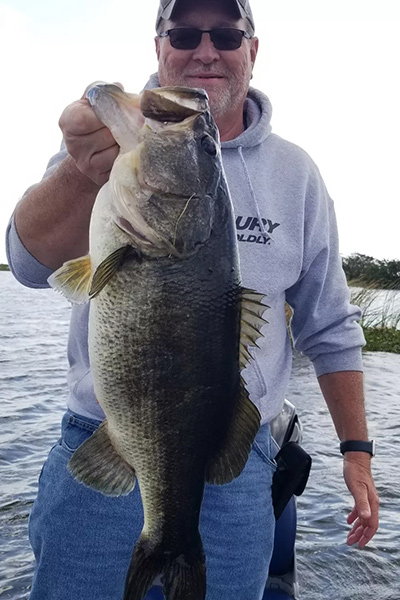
pixel 208 145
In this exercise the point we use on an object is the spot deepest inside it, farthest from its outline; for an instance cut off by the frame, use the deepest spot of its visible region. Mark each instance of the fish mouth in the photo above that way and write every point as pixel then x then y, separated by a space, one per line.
pixel 125 114
pixel 170 103
pixel 173 104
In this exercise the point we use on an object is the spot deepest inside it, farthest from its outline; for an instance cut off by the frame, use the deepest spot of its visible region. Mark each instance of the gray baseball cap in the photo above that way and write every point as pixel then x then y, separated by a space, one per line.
pixel 166 9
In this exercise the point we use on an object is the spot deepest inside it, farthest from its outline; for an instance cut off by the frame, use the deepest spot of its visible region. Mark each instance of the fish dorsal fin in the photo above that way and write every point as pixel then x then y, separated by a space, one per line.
pixel 97 464
pixel 251 321
pixel 233 455
pixel 107 269
pixel 73 279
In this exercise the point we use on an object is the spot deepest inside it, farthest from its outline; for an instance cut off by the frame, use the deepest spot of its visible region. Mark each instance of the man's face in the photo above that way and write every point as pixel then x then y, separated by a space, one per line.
pixel 224 74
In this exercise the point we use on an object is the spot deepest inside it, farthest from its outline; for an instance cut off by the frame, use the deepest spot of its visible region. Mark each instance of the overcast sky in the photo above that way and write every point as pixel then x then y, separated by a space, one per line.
pixel 329 67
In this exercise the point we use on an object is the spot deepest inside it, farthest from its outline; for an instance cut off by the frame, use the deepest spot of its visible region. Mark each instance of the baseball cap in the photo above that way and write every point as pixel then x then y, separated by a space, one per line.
pixel 166 9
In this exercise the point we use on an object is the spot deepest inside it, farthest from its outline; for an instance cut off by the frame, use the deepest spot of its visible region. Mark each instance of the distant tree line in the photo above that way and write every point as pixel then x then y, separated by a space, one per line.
pixel 368 270
pixel 358 268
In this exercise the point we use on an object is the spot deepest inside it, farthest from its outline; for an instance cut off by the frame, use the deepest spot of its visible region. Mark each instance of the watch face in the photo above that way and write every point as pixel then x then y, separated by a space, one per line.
pixel 373 447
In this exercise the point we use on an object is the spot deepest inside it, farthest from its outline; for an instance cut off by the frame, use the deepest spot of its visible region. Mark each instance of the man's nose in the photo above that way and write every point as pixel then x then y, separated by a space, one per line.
pixel 206 52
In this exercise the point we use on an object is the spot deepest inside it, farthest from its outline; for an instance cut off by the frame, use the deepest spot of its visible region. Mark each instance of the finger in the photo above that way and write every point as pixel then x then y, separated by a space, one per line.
pixel 79 119
pixel 100 164
pixel 363 531
pixel 352 516
pixel 103 161
pixel 362 506
pixel 103 178
pixel 367 535
pixel 362 535
pixel 355 534
pixel 90 143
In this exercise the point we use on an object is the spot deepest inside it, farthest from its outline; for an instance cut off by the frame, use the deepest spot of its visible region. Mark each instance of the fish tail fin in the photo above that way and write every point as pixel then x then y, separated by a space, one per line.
pixel 183 581
pixel 183 577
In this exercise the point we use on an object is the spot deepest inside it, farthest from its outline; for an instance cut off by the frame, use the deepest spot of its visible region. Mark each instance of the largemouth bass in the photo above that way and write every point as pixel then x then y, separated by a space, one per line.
pixel 169 329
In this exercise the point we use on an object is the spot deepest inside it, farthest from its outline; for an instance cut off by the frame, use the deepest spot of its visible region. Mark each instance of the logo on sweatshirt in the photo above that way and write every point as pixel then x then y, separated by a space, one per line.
pixel 254 231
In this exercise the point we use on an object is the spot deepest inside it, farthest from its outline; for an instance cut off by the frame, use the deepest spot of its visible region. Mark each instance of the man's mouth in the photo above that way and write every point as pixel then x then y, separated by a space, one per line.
pixel 205 76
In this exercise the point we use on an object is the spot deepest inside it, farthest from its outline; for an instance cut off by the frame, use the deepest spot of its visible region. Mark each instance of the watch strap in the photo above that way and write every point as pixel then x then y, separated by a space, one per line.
pixel 358 446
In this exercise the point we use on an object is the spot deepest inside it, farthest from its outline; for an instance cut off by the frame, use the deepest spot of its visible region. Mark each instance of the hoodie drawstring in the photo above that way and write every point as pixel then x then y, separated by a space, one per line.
pixel 260 376
pixel 253 195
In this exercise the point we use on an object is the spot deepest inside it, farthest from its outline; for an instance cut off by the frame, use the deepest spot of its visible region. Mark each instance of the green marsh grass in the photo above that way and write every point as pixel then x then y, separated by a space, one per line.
pixel 380 317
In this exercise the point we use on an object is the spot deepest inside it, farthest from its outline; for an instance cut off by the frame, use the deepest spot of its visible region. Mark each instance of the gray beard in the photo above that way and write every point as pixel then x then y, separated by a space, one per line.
pixel 221 100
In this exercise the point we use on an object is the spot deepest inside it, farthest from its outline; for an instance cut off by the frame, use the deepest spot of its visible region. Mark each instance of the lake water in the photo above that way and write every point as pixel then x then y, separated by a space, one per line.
pixel 33 337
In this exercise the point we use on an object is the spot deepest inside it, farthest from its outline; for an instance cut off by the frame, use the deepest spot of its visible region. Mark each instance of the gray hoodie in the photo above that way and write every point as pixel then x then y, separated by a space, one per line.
pixel 288 249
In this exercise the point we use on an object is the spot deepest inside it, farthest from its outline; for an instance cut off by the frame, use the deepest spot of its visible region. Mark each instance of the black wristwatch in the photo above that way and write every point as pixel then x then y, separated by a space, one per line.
pixel 358 446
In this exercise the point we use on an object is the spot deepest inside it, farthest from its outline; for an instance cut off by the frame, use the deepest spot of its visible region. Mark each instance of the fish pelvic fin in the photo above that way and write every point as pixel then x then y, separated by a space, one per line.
pixel 232 456
pixel 73 279
pixel 97 464
pixel 183 576
pixel 251 321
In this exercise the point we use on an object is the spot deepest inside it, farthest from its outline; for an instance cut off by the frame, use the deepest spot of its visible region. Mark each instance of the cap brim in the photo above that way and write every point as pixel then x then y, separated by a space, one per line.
pixel 169 9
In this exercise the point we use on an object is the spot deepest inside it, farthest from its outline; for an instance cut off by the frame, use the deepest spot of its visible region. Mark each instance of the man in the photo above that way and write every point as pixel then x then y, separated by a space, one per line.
pixel 289 251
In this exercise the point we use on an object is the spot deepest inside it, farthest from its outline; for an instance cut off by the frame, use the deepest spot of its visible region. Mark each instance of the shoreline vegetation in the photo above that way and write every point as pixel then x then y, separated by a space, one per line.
pixel 371 284
pixel 364 271
pixel 380 317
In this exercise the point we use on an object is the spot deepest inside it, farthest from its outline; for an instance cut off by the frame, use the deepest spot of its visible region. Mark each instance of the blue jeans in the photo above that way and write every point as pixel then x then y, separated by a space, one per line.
pixel 83 540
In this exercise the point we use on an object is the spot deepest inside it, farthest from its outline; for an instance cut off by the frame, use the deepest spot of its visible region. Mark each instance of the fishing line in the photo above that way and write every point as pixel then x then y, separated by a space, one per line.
pixel 180 217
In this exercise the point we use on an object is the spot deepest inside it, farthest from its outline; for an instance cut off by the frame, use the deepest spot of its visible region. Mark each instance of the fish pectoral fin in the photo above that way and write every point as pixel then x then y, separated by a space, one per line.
pixel 107 269
pixel 97 464
pixel 251 321
pixel 233 455
pixel 73 279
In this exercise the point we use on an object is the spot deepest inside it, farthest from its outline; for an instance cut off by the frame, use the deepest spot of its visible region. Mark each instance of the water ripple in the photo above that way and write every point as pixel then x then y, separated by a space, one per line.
pixel 33 339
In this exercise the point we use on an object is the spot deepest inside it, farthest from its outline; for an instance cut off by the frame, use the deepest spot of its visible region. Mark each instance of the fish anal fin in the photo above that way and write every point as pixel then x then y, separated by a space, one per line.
pixel 251 321
pixel 232 456
pixel 108 267
pixel 73 279
pixel 97 464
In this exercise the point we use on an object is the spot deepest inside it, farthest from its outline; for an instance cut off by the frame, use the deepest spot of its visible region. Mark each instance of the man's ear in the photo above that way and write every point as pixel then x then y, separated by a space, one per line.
pixel 253 50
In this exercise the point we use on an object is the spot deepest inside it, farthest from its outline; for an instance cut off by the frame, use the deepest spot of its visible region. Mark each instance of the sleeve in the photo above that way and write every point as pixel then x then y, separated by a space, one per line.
pixel 25 268
pixel 324 324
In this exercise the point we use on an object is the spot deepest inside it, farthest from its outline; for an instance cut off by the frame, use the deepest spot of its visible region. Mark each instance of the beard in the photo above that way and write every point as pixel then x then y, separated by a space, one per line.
pixel 224 96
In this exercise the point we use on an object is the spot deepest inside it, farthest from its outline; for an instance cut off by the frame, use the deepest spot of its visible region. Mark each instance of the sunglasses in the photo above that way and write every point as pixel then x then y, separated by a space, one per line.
pixel 188 38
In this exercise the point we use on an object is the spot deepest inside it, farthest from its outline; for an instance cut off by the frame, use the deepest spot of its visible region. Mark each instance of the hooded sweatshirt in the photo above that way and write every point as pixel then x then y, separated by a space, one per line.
pixel 288 248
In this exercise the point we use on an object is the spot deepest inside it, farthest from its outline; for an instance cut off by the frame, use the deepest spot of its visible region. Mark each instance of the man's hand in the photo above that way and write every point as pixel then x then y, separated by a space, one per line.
pixel 364 516
pixel 88 141
pixel 344 395
pixel 52 218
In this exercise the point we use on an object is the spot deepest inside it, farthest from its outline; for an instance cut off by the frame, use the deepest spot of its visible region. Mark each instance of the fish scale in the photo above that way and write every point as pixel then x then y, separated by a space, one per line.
pixel 169 330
